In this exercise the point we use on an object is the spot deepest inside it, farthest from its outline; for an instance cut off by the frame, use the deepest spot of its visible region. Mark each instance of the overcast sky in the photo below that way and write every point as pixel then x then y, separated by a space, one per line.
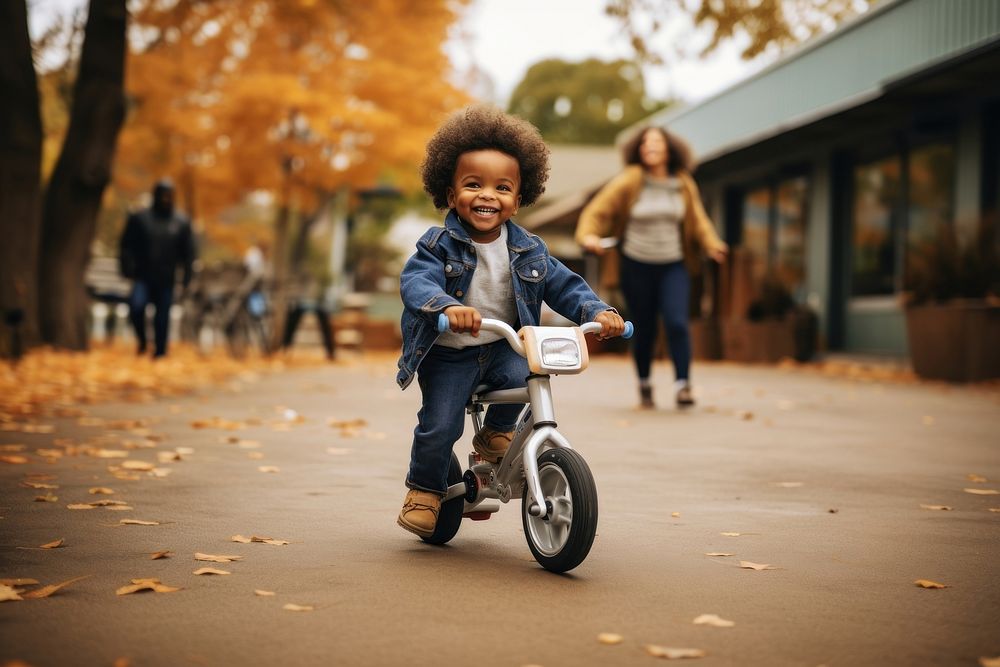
pixel 506 37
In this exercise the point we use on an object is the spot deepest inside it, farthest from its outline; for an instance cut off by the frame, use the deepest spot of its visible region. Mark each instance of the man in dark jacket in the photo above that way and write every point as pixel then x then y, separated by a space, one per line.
pixel 156 241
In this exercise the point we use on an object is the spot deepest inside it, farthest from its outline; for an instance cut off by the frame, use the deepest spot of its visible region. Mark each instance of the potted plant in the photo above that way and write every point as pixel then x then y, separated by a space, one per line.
pixel 952 305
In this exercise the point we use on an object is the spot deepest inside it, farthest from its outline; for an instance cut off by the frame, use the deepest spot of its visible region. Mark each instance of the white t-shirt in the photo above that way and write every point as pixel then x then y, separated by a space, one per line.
pixel 491 292
pixel 653 234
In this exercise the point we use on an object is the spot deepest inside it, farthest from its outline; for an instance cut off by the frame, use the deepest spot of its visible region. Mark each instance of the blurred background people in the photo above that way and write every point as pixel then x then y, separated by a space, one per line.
pixel 157 241
pixel 652 212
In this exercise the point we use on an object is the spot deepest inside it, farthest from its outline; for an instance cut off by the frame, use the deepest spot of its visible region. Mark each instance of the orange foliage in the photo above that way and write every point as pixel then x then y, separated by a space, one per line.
pixel 295 98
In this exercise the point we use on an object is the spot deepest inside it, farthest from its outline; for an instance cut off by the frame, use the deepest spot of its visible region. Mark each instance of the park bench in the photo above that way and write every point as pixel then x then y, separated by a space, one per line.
pixel 106 285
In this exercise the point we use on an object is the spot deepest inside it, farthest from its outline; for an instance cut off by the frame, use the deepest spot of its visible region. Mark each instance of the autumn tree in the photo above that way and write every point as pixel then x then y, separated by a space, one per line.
pixel 297 99
pixel 762 25
pixel 588 102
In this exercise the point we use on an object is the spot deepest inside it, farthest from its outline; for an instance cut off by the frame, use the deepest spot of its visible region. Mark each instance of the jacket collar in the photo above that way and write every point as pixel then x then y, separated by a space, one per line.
pixel 518 240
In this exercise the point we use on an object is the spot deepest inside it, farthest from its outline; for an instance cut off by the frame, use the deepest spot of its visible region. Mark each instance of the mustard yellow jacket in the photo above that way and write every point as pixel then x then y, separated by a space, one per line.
pixel 608 213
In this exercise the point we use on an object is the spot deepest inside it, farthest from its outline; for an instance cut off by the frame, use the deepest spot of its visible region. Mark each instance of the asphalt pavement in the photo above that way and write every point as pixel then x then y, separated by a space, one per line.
pixel 835 484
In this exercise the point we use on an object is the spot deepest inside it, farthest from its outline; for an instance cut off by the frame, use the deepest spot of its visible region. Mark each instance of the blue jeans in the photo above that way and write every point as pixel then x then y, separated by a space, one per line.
pixel 162 297
pixel 652 290
pixel 447 378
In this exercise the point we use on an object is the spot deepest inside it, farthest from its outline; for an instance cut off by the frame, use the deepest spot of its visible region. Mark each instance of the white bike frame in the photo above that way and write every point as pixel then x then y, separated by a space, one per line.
pixel 536 432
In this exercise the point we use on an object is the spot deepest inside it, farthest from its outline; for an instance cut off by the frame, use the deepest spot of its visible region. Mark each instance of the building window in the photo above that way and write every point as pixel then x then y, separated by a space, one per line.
pixel 774 231
pixel 891 213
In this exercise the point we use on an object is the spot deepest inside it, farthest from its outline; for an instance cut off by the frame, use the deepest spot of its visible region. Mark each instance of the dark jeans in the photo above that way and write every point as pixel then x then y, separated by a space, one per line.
pixel 295 314
pixel 447 378
pixel 162 297
pixel 653 290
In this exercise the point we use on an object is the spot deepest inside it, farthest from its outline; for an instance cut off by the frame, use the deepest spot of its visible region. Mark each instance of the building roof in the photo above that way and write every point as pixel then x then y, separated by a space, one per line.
pixel 852 65
pixel 574 170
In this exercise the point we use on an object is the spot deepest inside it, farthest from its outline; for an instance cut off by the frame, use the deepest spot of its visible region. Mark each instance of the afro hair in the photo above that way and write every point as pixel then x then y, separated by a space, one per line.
pixel 484 127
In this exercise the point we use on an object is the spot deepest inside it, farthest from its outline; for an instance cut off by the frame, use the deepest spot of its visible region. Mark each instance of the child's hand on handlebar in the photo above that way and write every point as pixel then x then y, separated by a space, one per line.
pixel 612 324
pixel 463 319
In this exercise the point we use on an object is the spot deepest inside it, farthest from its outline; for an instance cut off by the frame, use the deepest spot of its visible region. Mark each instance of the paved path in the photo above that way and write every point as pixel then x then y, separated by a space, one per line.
pixel 823 479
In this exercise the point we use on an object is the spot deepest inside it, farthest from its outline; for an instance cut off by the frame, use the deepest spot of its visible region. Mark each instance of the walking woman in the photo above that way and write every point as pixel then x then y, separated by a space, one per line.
pixel 654 211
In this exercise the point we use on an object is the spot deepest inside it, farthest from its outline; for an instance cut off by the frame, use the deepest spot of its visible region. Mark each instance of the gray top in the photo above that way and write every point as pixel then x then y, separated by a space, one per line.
pixel 653 233
pixel 491 292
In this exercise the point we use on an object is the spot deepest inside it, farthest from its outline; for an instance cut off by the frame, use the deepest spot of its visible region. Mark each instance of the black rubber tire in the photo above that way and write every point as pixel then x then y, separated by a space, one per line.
pixel 450 516
pixel 583 495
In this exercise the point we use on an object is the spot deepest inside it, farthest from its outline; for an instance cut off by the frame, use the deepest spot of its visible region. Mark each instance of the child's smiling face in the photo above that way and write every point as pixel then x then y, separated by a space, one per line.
pixel 485 192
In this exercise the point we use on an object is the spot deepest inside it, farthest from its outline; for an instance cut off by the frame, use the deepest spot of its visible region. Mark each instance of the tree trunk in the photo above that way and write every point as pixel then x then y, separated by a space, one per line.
pixel 279 267
pixel 20 176
pixel 73 197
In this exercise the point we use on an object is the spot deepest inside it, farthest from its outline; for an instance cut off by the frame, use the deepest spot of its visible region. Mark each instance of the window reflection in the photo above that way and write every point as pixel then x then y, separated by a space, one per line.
pixel 873 257
pixel 756 210
pixel 790 263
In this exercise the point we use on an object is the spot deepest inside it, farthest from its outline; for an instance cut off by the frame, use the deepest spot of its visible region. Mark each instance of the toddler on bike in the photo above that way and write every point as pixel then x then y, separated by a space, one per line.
pixel 481 165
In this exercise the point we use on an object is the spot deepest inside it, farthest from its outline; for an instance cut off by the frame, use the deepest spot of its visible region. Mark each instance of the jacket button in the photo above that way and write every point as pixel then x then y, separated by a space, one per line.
pixel 459 293
pixel 447 268
pixel 534 273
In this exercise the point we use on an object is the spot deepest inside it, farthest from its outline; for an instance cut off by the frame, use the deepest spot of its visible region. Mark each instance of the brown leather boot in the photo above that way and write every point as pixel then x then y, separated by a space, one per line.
pixel 420 512
pixel 492 444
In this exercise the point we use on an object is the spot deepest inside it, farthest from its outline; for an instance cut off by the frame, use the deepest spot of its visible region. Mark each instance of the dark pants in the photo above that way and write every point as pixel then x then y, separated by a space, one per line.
pixel 322 317
pixel 653 290
pixel 162 297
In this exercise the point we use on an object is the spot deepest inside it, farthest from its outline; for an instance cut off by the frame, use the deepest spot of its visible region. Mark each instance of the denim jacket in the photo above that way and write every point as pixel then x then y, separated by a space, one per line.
pixel 439 273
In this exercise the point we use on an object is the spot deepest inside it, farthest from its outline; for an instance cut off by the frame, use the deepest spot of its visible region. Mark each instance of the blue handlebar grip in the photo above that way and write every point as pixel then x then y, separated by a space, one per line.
pixel 442 322
pixel 629 330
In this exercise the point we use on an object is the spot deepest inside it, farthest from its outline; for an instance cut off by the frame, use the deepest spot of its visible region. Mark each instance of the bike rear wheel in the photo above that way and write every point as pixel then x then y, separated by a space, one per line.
pixel 450 515
pixel 561 539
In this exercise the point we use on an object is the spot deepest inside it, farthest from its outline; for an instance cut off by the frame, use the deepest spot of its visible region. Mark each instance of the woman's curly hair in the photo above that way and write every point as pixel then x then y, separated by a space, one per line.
pixel 679 155
pixel 484 127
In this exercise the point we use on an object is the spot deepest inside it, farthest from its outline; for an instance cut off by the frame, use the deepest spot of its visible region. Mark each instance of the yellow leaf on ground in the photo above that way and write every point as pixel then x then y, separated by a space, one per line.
pixel 674 653
pixel 747 565
pixel 978 479
pixel 789 485
pixel 298 607
pixel 53 545
pixel 610 638
pixel 137 522
pixel 119 508
pixel 718 553
pixel 268 540
pixel 989 662
pixel 39 485
pixel 13 459
pixel 927 583
pixel 47 498
pixel 46 591
pixel 20 581
pixel 713 620
pixel 137 465
pixel 675 515
pixel 156 555
pixel 210 570
pixel 255 456
pixel 731 534
pixel 994 509
pixel 8 593
pixel 942 508
pixel 80 506
pixel 983 492
pixel 107 503
pixel 212 558
pixel 101 490
pixel 264 594
pixel 240 539
pixel 269 469
pixel 146 585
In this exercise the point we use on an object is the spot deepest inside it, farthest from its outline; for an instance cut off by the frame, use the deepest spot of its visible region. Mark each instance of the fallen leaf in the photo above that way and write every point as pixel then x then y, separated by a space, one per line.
pixel 146 585
pixel 994 509
pixel 119 508
pixel 80 506
pixel 20 581
pixel 675 515
pixel 46 591
pixel 978 479
pixel 240 539
pixel 718 553
pixel 610 638
pixel 989 662
pixel 101 490
pixel 8 593
pixel 673 653
pixel 268 540
pixel 983 492
pixel 255 456
pixel 137 522
pixel 107 503
pixel 39 485
pixel 137 465
pixel 747 565
pixel 53 545
pixel 247 444
pixel 13 459
pixel 943 508
pixel 338 451
pixel 210 570
pixel 927 583
pixel 47 498
pixel 156 555
pixel 110 454
pixel 745 415
pixel 269 469
pixel 731 534
pixel 789 485
pixel 167 457
pixel 713 620
pixel 216 559
pixel 264 594
pixel 297 607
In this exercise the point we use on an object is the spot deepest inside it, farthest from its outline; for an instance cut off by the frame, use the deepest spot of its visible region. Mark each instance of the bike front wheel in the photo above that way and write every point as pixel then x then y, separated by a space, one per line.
pixel 561 539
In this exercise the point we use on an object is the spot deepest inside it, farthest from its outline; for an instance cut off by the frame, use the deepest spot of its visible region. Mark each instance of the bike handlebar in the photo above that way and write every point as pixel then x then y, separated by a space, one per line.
pixel 505 330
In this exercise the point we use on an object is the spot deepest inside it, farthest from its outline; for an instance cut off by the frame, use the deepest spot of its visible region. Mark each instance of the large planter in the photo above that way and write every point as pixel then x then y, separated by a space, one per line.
pixel 956 341
pixel 768 341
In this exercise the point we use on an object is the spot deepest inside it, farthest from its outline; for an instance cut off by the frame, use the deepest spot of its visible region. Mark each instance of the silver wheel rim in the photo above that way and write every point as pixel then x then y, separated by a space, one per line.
pixel 549 535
